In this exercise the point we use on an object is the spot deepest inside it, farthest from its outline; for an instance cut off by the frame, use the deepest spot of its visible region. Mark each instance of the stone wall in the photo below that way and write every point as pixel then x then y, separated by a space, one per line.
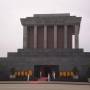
pixel 65 58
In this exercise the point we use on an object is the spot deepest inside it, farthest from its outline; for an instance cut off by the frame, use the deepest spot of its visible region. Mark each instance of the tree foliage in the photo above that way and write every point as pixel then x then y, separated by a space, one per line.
pixel 75 70
pixel 13 71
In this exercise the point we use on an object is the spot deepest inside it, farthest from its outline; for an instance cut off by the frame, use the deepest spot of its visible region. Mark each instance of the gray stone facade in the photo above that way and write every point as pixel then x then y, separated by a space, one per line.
pixel 51 19
pixel 48 26
pixel 65 58
pixel 25 59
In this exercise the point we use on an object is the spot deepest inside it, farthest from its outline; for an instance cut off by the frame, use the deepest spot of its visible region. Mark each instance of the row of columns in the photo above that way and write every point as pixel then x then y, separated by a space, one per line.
pixel 55 36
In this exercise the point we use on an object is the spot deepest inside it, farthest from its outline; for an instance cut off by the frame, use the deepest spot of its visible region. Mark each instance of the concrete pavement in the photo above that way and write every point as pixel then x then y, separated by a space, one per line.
pixel 43 87
pixel 44 82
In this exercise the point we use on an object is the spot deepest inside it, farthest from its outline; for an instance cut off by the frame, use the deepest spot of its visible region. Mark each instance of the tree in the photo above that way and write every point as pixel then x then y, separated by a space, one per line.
pixel 88 72
pixel 75 70
pixel 2 67
pixel 13 71
pixel 3 72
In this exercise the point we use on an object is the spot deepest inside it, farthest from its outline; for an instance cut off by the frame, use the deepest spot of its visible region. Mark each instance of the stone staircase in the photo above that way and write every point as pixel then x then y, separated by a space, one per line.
pixel 43 79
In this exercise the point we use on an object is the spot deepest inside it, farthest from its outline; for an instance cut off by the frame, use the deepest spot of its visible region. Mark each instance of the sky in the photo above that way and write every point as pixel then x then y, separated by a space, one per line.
pixel 11 30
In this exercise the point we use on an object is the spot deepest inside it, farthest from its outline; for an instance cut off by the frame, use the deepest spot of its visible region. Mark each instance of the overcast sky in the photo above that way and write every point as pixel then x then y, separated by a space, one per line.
pixel 11 32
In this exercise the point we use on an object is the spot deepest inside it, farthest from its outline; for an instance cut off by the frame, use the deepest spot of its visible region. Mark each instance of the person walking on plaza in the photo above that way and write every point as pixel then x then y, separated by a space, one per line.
pixel 48 77
pixel 54 75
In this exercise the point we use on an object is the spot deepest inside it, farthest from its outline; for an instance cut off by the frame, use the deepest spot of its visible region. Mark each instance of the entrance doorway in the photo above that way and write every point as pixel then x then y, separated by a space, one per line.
pixel 44 70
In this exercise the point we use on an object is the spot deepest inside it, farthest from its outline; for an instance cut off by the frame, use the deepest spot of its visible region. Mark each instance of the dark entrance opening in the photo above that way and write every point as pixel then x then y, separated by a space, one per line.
pixel 44 70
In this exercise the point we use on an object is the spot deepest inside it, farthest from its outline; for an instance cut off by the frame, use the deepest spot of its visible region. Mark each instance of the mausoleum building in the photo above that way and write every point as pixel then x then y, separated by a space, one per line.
pixel 50 44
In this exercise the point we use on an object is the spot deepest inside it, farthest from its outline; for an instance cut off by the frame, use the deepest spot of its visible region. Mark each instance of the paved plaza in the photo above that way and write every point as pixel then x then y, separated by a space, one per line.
pixel 43 87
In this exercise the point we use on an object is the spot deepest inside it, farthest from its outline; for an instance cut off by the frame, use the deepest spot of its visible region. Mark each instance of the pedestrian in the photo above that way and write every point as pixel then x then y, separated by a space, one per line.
pixel 48 77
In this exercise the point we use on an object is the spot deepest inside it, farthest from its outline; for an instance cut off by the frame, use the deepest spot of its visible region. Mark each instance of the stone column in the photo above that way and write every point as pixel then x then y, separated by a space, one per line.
pixel 65 36
pixel 25 37
pixel 55 36
pixel 45 36
pixel 76 36
pixel 35 36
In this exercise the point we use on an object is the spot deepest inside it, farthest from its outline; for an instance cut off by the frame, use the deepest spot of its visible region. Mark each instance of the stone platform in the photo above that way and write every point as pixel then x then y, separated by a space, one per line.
pixel 66 59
